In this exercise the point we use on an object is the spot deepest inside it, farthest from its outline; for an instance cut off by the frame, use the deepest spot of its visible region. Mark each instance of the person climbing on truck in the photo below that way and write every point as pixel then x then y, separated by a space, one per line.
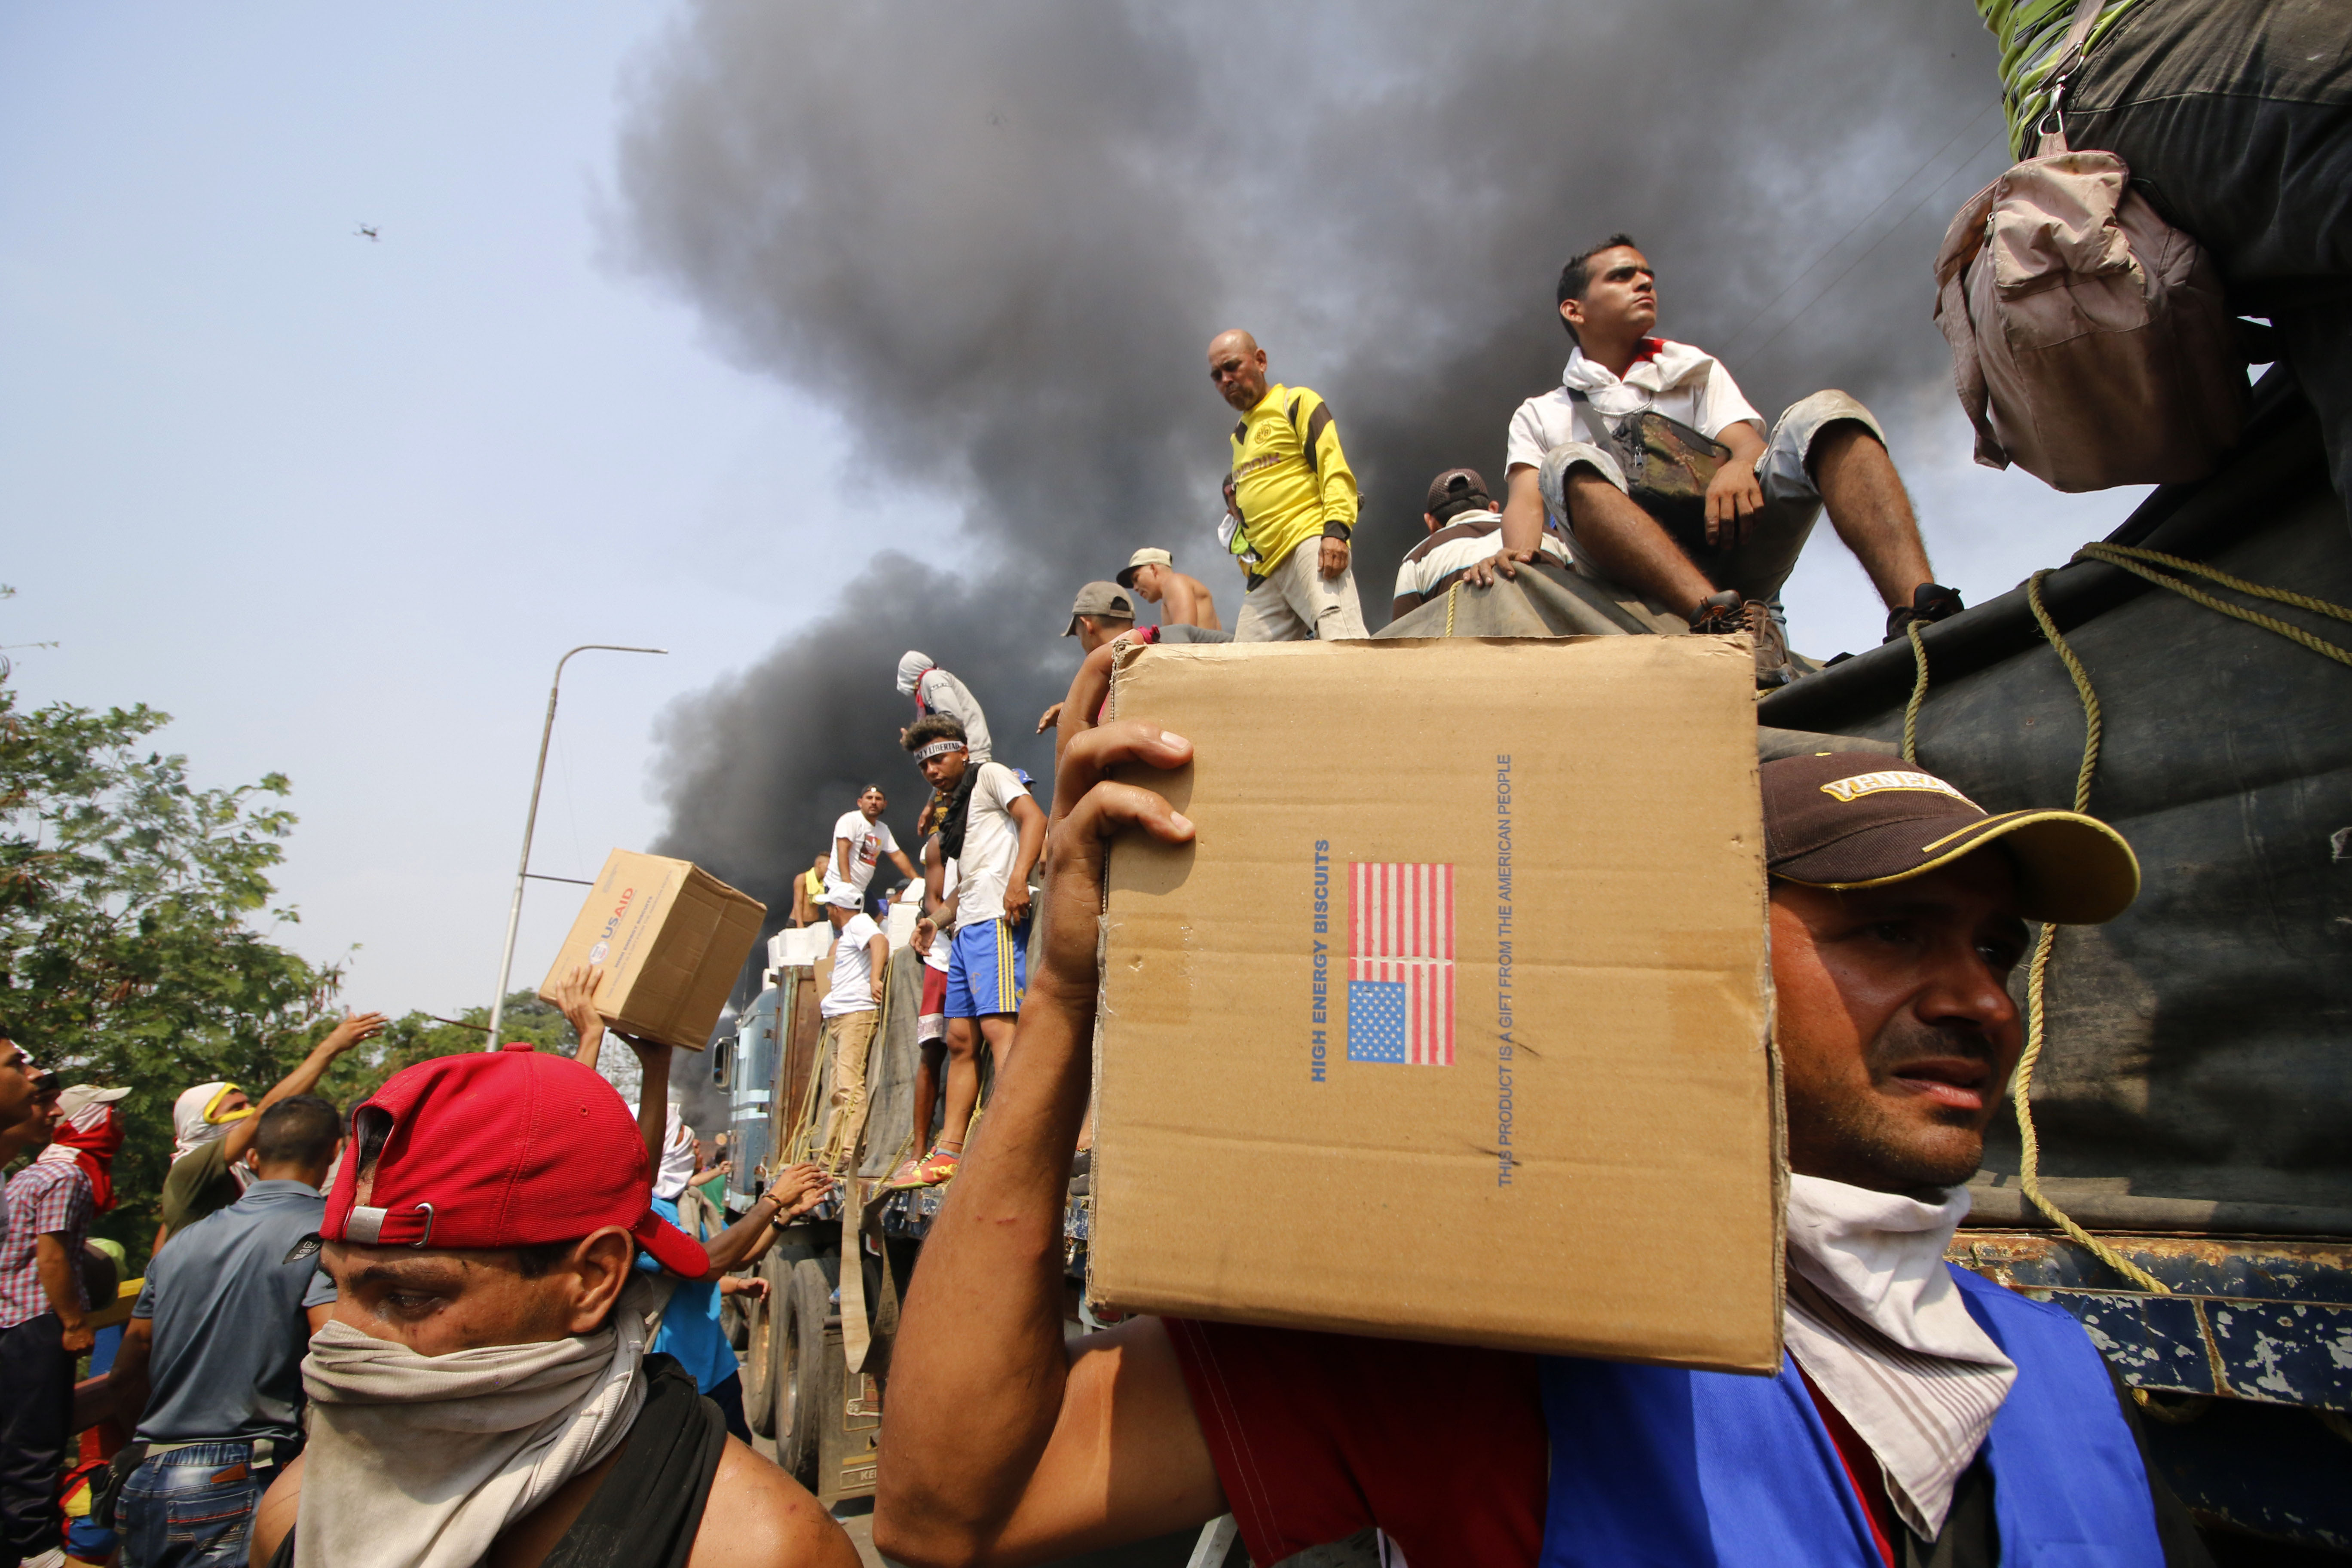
pixel 1104 613
pixel 1184 600
pixel 1464 529
pixel 852 1006
pixel 1661 477
pixel 993 834
pixel 2235 119
pixel 937 691
pixel 1921 1414
pixel 1291 484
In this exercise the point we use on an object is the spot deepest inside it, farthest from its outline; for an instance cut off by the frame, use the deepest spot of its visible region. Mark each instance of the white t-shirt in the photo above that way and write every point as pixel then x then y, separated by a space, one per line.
pixel 1466 539
pixel 1677 380
pixel 852 969
pixel 992 842
pixel 868 842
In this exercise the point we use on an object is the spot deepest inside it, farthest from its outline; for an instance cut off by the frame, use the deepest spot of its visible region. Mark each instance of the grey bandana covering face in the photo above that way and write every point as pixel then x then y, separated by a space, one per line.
pixel 1874 1318
pixel 419 1462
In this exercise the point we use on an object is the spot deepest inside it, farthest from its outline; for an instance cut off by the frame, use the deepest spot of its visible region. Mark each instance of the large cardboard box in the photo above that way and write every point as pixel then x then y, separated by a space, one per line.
pixel 1454 1023
pixel 672 938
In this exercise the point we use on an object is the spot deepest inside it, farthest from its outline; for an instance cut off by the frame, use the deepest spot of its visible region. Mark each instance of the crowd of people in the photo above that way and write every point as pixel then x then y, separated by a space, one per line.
pixel 477 1318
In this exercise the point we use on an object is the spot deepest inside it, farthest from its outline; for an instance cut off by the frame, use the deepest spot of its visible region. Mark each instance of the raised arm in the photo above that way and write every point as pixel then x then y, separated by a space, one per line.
pixel 1032 824
pixel 353 1029
pixel 795 1191
pixel 653 1097
pixel 575 998
pixel 1004 1445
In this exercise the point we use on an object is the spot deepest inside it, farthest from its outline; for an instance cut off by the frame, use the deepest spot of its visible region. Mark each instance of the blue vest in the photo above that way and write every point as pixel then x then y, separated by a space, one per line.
pixel 1650 1466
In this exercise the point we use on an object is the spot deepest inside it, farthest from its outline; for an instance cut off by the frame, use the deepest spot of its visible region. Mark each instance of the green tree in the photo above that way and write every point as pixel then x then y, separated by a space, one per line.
pixel 136 919
pixel 135 927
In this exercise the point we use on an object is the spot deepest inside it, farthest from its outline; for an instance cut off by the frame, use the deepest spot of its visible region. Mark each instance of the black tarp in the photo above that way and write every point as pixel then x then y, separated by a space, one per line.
pixel 2198 1074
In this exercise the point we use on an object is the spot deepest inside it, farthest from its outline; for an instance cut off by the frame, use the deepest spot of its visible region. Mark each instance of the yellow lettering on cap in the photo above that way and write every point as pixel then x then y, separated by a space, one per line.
pixel 1849 789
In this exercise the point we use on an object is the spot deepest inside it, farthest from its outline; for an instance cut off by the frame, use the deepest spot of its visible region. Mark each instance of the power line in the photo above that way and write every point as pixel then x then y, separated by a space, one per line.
pixel 1732 343
pixel 1999 131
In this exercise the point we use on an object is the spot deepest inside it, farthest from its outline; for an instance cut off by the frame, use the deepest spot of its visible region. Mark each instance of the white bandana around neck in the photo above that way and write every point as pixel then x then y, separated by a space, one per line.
pixel 418 1462
pixel 1875 1320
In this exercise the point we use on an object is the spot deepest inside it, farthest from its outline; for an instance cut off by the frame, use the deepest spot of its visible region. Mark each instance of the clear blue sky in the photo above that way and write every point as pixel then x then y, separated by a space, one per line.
pixel 338 505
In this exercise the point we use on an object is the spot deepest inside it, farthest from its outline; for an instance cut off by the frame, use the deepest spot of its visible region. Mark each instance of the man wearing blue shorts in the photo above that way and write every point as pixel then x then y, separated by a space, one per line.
pixel 993 833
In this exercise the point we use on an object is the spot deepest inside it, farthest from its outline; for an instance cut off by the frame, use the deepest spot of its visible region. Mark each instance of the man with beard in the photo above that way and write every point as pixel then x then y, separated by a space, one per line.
pixel 1921 1415
pixel 481 1392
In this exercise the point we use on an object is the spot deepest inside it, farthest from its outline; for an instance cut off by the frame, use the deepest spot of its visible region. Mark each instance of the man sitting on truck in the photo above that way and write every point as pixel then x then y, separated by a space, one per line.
pixel 1622 454
pixel 1465 528
pixel 1921 1415
pixel 1103 613
pixel 993 833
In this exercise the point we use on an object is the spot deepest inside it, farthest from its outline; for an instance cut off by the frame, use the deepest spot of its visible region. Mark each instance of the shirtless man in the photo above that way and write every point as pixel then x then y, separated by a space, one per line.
pixel 494 1203
pixel 1182 600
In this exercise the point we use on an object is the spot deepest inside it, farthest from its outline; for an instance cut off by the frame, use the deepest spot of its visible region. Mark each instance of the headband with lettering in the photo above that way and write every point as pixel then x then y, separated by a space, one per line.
pixel 937 748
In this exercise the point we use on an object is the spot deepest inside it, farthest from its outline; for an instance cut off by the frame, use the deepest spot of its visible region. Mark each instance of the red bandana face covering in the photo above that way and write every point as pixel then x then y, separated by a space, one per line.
pixel 92 1138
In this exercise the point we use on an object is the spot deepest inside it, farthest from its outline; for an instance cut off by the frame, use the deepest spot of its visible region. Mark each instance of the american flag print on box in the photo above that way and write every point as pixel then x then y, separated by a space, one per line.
pixel 1401 963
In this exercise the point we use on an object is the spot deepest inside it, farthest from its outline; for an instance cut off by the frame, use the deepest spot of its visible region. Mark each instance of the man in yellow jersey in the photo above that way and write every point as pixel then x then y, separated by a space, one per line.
pixel 1291 485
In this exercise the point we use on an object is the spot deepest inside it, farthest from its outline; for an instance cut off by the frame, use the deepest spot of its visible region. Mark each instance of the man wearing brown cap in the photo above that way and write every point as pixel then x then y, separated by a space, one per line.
pixel 482 1390
pixel 1465 528
pixel 1182 600
pixel 1921 1415
pixel 1103 612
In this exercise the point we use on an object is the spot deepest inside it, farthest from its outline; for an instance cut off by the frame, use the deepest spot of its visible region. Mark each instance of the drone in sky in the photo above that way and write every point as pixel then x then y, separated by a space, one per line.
pixel 366 231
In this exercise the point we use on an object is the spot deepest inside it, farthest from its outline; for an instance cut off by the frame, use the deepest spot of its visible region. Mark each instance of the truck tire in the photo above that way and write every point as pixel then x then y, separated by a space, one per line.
pixel 801 1405
pixel 764 1333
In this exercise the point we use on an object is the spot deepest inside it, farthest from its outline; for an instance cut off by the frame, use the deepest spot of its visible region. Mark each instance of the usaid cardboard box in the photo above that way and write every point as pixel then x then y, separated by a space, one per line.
pixel 1455 1022
pixel 671 938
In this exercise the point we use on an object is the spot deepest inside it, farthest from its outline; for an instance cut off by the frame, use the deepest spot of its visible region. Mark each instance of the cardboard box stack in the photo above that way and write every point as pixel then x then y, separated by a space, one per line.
pixel 1454 1023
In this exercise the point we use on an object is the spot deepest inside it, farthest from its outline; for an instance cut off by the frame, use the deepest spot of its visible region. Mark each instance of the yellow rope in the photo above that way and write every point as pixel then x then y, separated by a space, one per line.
pixel 1451 593
pixel 2029 1165
pixel 1918 694
pixel 2142 564
pixel 2136 562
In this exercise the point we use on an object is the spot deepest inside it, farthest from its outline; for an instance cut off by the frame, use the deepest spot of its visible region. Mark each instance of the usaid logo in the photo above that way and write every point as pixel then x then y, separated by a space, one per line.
pixel 612 925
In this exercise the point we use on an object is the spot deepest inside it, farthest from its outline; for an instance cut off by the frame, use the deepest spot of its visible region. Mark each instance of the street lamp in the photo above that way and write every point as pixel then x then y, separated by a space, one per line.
pixel 522 872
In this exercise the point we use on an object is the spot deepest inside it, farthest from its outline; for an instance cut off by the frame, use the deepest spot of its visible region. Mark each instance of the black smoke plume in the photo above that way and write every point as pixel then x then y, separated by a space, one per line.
pixel 997 238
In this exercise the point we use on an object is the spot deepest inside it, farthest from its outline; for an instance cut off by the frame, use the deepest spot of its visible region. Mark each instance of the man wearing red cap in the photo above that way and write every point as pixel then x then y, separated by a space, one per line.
pixel 482 1390
pixel 1921 1415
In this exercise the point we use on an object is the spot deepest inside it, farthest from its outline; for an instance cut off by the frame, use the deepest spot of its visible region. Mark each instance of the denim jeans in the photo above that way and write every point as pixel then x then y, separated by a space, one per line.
pixel 194 1504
